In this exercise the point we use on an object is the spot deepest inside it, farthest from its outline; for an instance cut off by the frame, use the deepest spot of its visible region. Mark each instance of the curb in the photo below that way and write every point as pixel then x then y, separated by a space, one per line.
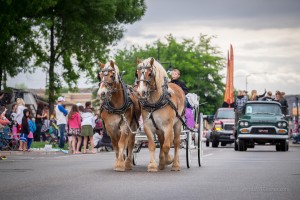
pixel 20 153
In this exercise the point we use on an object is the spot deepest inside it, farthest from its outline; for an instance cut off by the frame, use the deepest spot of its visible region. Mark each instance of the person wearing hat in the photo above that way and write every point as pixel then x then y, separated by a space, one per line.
pixel 61 117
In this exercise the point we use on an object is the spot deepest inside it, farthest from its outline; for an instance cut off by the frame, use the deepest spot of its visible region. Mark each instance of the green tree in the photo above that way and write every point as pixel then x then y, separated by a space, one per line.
pixel 74 35
pixel 198 61
pixel 17 46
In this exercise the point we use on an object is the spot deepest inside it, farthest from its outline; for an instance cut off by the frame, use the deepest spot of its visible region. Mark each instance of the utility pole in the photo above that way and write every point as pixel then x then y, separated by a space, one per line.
pixel 297 114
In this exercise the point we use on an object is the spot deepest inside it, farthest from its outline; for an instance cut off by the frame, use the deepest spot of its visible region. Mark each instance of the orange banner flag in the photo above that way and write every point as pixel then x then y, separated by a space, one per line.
pixel 229 89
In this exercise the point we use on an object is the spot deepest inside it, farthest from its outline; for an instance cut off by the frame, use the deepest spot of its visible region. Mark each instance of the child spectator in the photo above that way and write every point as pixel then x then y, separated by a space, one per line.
pixel 24 130
pixel 74 122
pixel 87 126
pixel 32 129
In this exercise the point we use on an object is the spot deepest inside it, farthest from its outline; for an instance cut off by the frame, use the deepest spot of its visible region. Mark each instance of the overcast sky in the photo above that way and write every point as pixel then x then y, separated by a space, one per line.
pixel 265 35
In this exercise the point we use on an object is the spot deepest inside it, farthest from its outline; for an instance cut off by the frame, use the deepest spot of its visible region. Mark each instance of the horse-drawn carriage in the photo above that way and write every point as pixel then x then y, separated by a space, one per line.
pixel 162 107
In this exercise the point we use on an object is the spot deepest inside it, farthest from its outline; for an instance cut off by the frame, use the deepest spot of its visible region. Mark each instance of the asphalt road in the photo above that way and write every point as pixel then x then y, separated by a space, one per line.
pixel 260 173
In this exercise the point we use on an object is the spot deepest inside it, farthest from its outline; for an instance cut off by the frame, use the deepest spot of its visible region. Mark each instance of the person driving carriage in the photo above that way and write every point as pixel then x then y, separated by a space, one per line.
pixel 189 108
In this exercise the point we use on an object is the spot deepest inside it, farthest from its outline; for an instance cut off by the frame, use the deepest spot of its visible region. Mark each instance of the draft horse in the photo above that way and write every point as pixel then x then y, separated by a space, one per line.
pixel 162 104
pixel 120 112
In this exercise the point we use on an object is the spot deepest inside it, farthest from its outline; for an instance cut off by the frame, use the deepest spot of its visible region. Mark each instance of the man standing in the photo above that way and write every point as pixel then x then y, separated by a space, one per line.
pixel 61 117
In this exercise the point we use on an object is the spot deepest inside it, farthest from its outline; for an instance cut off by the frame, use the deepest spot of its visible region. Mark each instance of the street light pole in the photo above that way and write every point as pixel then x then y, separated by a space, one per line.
pixel 297 114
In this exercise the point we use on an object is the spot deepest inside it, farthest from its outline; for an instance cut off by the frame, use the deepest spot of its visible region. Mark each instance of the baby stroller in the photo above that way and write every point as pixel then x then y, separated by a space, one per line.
pixel 52 133
pixel 105 142
pixel 8 142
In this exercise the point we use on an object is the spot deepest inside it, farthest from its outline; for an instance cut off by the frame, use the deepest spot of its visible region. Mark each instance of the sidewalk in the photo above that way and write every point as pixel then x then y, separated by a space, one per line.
pixel 33 152
pixel 293 145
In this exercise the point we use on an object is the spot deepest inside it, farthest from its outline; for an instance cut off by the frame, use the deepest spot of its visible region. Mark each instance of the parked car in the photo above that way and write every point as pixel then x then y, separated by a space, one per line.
pixel 262 122
pixel 223 127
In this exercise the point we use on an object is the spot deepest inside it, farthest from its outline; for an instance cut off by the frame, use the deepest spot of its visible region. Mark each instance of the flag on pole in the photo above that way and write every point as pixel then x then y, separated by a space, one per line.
pixel 229 88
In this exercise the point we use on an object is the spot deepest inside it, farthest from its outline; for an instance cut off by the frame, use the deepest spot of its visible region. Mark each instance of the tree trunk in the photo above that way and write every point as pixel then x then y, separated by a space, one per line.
pixel 1 72
pixel 51 70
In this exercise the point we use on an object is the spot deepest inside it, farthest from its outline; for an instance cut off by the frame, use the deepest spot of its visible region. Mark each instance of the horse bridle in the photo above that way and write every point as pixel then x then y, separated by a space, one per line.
pixel 148 81
pixel 108 84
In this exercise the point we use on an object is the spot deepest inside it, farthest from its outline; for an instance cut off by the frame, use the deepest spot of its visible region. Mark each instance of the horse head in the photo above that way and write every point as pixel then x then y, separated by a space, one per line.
pixel 109 78
pixel 145 77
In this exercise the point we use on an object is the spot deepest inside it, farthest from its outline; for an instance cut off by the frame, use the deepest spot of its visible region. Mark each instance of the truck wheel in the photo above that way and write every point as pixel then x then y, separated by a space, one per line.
pixel 223 144
pixel 278 147
pixel 284 146
pixel 236 147
pixel 242 145
pixel 214 143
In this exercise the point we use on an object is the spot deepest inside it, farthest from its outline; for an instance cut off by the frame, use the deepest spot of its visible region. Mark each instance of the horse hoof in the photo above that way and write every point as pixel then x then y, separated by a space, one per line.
pixel 120 167
pixel 152 168
pixel 175 168
pixel 170 160
pixel 161 167
pixel 128 165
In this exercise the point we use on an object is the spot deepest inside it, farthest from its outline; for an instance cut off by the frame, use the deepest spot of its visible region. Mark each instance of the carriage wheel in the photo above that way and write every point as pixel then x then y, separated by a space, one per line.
pixel 188 149
pixel 200 134
pixel 134 158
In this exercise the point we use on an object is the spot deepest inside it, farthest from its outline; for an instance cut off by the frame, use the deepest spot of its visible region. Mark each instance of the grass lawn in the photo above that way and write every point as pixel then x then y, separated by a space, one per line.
pixel 42 145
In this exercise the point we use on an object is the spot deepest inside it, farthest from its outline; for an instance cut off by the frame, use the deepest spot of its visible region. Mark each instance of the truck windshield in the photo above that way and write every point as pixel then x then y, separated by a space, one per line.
pixel 263 109
pixel 225 114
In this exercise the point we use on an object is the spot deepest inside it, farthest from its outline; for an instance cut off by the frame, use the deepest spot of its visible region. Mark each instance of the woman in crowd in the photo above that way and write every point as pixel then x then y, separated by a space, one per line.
pixel 284 105
pixel 87 126
pixel 254 96
pixel 39 119
pixel 74 122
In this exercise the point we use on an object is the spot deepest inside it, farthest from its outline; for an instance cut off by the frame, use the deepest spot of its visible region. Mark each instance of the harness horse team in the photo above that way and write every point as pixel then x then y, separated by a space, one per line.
pixel 160 103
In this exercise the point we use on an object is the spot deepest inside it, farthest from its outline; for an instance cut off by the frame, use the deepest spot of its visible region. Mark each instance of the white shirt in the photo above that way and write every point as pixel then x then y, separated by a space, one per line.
pixel 20 114
pixel 60 116
pixel 88 119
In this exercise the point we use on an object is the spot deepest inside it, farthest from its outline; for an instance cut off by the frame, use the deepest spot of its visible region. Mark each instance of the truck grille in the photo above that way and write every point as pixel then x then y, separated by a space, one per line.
pixel 263 130
pixel 228 126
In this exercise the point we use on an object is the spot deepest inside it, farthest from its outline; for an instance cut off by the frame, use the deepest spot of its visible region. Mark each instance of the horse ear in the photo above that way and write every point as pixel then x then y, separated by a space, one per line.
pixel 112 64
pixel 138 61
pixel 101 65
pixel 151 61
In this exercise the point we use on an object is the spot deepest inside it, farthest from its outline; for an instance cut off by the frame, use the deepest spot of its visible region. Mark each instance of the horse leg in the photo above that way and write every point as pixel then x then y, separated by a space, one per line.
pixel 161 153
pixel 176 163
pixel 128 161
pixel 120 164
pixel 152 166
pixel 169 137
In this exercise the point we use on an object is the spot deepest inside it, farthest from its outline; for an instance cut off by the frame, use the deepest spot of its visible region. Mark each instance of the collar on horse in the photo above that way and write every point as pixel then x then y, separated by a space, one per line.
pixel 127 102
pixel 162 102
pixel 120 111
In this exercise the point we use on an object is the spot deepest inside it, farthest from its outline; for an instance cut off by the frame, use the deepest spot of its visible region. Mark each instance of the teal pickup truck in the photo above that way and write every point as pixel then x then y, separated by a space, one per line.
pixel 261 122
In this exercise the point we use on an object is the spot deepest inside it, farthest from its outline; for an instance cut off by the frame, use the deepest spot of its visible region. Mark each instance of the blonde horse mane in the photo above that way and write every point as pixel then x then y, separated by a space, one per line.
pixel 159 71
